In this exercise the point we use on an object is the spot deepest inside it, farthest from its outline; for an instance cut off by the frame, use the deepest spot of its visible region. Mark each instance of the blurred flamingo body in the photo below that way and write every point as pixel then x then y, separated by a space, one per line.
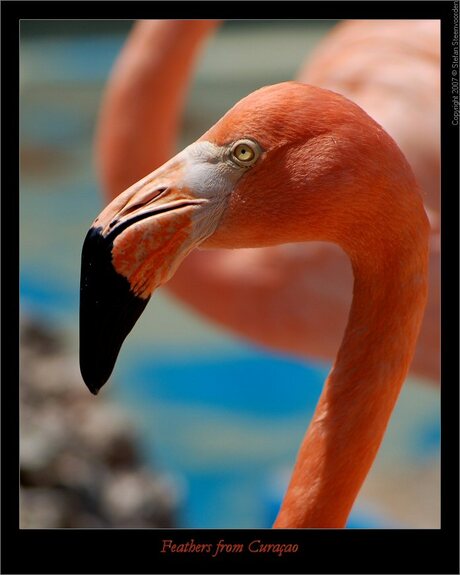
pixel 255 293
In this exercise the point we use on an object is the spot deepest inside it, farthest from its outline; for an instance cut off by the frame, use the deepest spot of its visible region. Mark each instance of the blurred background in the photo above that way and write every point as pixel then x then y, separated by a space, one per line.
pixel 196 428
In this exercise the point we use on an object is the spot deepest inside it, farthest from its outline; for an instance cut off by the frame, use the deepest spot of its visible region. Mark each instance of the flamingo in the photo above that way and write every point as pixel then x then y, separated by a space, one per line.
pixel 256 293
pixel 289 163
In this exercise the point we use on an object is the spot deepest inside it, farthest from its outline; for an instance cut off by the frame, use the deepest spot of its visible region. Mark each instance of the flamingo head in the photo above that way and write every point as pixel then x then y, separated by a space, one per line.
pixel 272 170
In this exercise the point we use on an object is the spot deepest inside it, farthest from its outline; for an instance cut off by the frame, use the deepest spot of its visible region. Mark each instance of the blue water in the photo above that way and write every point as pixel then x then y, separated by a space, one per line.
pixel 257 383
pixel 256 398
pixel 427 439
pixel 80 61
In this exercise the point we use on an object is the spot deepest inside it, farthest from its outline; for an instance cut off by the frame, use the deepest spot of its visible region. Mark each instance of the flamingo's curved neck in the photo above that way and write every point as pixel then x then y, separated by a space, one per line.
pixel 360 393
pixel 145 95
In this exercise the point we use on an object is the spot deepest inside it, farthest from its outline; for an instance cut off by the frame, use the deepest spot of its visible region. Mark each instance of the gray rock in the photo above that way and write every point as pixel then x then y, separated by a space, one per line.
pixel 81 465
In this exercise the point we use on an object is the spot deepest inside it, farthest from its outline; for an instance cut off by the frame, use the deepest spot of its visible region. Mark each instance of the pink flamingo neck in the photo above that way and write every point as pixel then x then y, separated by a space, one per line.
pixel 351 417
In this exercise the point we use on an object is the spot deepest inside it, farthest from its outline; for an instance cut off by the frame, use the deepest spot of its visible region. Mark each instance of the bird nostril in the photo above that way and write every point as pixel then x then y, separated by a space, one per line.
pixel 154 195
pixel 147 199
pixel 160 192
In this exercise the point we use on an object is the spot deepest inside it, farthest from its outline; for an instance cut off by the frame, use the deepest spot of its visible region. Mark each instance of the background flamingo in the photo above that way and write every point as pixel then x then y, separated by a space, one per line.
pixel 288 163
pixel 255 293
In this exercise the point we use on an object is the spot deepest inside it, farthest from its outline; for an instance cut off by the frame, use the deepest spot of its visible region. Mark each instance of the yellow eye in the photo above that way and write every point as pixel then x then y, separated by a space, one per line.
pixel 245 152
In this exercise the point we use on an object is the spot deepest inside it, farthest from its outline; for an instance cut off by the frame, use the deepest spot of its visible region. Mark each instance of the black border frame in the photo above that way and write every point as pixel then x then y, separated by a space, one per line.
pixel 138 551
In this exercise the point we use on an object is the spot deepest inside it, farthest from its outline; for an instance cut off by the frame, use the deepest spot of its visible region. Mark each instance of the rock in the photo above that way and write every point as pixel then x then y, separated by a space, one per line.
pixel 81 465
pixel 137 495
pixel 42 508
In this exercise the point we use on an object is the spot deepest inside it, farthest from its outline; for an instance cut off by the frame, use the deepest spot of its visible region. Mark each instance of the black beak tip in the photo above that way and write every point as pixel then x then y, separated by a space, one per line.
pixel 92 382
pixel 97 359
pixel 94 389
pixel 108 310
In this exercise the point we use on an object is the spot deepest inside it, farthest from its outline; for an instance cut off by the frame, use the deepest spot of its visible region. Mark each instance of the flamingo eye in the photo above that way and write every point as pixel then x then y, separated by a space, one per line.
pixel 245 152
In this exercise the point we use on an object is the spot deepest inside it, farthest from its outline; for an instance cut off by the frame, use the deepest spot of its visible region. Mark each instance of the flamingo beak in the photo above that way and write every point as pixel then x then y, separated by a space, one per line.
pixel 134 246
pixel 107 314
